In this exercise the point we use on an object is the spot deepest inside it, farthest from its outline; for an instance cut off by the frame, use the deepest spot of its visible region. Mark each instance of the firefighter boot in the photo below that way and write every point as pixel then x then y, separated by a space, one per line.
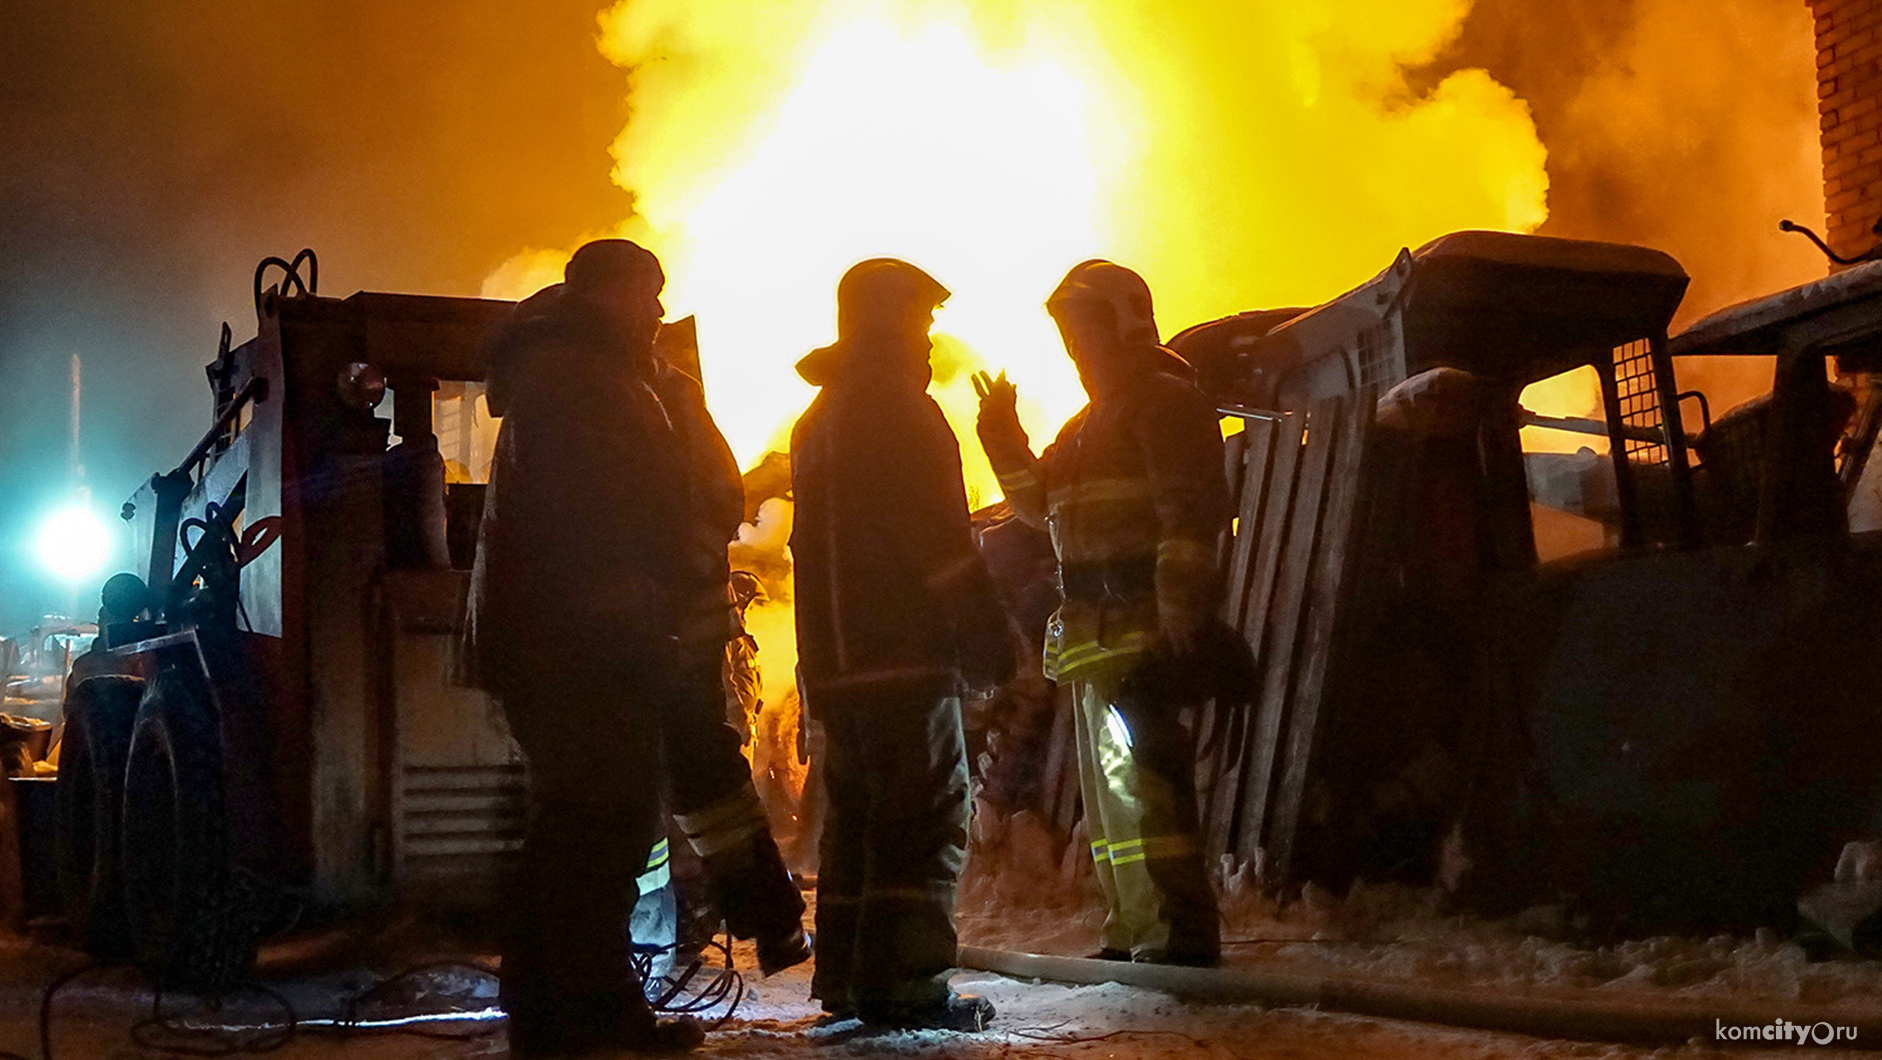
pixel 777 953
pixel 754 889
pixel 761 902
pixel 597 1023
pixel 568 983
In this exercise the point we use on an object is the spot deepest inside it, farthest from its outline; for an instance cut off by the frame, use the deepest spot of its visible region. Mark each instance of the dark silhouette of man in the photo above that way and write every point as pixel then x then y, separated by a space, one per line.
pixel 599 616
pixel 1133 492
pixel 894 606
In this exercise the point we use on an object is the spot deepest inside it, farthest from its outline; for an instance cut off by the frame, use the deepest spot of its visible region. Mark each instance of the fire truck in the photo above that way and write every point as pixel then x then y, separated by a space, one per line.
pixel 268 721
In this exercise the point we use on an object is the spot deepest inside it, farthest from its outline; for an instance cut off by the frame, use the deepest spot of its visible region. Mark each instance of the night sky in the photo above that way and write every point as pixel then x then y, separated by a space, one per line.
pixel 152 153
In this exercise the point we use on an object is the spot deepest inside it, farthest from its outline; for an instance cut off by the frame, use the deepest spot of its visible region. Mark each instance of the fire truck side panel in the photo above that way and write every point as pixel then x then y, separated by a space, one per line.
pixel 262 512
pixel 334 549
pixel 456 794
pixel 365 669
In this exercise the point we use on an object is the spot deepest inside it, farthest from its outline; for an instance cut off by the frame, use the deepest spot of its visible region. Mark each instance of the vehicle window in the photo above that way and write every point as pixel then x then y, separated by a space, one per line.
pixel 1571 477
pixel 467 433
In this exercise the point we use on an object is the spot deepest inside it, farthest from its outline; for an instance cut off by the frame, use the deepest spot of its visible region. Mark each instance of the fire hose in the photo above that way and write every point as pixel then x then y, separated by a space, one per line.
pixel 1656 1021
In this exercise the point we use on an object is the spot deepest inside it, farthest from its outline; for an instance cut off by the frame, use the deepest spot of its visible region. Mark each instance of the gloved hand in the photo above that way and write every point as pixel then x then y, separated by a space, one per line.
pixel 1218 665
pixel 1179 631
pixel 998 422
pixel 983 635
pixel 988 652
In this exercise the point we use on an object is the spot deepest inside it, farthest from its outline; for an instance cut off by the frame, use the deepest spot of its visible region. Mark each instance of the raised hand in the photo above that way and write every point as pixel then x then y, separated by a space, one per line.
pixel 999 398
pixel 998 426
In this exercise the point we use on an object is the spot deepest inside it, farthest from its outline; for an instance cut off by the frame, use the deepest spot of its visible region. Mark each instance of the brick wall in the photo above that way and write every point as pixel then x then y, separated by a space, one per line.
pixel 1849 105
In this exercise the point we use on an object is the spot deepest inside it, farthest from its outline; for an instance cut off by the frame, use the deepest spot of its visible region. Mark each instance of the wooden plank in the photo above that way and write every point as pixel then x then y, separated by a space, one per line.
pixel 1281 642
pixel 1252 492
pixel 1283 485
pixel 1221 792
pixel 1217 774
pixel 1306 716
pixel 1268 534
pixel 1206 770
pixel 1267 484
pixel 1234 451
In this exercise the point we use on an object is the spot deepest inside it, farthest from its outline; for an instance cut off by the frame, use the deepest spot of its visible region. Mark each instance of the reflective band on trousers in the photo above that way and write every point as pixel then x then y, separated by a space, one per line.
pixel 936 892
pixel 1130 851
pixel 659 869
pixel 726 825
pixel 1071 656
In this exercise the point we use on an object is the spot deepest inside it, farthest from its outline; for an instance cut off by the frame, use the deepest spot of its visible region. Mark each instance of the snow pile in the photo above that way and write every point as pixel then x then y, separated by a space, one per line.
pixel 1025 891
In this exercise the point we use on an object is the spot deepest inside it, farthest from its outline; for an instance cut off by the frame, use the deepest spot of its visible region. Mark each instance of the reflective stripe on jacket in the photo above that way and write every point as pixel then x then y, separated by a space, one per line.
pixel 891 590
pixel 1133 480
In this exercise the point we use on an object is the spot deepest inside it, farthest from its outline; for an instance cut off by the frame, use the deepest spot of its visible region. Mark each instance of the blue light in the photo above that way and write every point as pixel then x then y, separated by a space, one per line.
pixel 73 543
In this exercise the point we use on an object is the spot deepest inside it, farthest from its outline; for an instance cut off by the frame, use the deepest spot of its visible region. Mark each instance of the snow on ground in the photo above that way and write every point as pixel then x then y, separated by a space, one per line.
pixel 1018 894
pixel 1379 934
pixel 778 1021
pixel 1402 938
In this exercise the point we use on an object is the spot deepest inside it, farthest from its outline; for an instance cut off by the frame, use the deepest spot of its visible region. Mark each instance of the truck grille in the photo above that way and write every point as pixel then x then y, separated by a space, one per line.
pixel 459 824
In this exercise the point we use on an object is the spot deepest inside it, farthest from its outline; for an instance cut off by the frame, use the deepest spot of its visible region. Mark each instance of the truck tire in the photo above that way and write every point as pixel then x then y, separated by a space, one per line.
pixel 99 712
pixel 193 922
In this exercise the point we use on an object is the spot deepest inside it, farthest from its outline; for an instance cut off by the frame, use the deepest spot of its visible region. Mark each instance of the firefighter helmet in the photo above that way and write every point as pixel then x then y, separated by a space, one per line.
pixel 598 263
pixel 883 294
pixel 1100 284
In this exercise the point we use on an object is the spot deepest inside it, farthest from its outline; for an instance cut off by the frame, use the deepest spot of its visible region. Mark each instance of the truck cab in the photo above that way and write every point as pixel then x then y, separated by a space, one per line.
pixel 1605 724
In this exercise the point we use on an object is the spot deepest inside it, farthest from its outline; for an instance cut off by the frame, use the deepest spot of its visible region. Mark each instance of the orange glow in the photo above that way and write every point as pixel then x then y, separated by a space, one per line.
pixel 1577 394
pixel 1239 155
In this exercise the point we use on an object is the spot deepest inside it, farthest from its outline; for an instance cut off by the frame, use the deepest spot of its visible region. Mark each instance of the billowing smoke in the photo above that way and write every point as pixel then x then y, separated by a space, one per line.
pixel 1241 155
pixel 1686 125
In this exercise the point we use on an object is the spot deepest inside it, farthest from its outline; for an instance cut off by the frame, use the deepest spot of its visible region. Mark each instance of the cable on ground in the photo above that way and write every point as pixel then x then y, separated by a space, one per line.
pixel 698 988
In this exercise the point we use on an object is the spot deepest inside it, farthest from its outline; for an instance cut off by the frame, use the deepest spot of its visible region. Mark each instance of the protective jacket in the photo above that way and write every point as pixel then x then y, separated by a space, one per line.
pixel 612 496
pixel 1133 495
pixel 892 593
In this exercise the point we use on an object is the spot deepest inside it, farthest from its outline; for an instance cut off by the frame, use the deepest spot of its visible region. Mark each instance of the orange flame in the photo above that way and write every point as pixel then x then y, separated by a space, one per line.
pixel 1242 154
pixel 1238 154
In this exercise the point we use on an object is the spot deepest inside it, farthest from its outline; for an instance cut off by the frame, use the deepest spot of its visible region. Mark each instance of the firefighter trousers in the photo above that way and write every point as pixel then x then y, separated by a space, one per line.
pixel 1136 777
pixel 591 736
pixel 713 800
pixel 894 837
